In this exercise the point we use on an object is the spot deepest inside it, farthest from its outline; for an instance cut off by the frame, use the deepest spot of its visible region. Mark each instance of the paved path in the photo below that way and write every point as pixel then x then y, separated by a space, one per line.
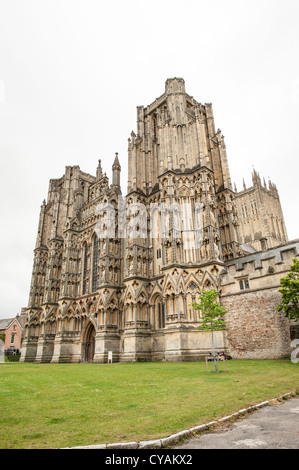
pixel 271 427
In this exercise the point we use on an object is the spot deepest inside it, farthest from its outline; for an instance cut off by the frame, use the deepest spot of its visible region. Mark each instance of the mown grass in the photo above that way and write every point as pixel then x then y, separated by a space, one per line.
pixel 65 405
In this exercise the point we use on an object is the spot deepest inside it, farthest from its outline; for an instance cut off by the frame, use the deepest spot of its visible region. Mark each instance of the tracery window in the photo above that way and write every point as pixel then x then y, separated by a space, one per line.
pixel 95 259
pixel 161 315
pixel 85 260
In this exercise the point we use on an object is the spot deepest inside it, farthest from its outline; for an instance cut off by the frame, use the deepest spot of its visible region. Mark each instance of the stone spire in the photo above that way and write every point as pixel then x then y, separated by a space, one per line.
pixel 256 180
pixel 99 171
pixel 116 172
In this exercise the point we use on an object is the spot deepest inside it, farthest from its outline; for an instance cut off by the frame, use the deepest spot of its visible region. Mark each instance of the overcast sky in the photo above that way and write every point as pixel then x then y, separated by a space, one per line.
pixel 73 71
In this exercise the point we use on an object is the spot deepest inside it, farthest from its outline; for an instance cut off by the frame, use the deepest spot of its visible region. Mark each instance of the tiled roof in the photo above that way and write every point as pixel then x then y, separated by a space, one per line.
pixel 5 322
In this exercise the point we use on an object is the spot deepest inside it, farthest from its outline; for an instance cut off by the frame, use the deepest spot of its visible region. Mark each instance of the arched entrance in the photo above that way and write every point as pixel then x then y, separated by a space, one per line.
pixel 88 343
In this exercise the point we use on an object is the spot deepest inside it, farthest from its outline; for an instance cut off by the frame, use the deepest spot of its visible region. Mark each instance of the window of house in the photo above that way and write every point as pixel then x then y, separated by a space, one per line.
pixel 12 340
pixel 244 284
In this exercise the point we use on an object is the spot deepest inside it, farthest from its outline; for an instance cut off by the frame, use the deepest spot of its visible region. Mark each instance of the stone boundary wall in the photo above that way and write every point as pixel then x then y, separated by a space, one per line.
pixel 254 328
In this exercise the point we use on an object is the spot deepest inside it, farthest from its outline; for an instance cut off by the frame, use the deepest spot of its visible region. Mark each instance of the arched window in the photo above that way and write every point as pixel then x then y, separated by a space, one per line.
pixel 160 313
pixel 85 260
pixel 95 259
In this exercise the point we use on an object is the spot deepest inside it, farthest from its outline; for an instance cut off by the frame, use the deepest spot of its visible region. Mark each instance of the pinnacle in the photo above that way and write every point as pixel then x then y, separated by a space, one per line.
pixel 116 161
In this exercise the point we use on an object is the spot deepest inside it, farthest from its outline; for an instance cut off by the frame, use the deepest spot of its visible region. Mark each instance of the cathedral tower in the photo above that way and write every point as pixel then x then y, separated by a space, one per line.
pixel 179 179
pixel 175 133
pixel 260 215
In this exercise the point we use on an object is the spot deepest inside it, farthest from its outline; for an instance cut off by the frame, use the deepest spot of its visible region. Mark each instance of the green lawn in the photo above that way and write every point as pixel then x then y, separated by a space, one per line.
pixel 64 405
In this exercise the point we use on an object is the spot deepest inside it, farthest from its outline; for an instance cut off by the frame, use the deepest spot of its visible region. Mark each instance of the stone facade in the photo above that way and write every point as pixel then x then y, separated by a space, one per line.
pixel 120 274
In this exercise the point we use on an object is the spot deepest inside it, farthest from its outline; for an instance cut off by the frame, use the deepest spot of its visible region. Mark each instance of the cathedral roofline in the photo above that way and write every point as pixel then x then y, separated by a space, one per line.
pixel 178 171
pixel 253 188
pixel 137 191
pixel 259 257
pixel 193 265
pixel 270 251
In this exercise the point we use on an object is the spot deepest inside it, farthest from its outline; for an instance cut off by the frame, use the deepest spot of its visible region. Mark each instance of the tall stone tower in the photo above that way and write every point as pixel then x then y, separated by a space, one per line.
pixel 179 178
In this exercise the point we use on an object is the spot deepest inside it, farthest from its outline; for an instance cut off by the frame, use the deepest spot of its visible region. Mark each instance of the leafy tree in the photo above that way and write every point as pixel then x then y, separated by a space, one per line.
pixel 290 292
pixel 212 311
pixel 212 314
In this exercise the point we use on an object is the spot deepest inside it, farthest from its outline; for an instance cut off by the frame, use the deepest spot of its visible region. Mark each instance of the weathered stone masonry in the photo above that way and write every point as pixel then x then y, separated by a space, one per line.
pixel 94 291
pixel 254 327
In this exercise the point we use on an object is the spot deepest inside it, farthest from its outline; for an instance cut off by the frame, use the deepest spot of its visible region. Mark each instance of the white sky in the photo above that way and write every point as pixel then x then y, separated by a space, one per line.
pixel 73 71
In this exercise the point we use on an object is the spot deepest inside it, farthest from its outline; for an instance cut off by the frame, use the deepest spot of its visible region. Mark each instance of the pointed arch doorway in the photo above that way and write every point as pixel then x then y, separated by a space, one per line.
pixel 88 344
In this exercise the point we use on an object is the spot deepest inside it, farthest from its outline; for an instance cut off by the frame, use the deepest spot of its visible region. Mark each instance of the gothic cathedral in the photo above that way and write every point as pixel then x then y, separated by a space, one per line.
pixel 119 274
